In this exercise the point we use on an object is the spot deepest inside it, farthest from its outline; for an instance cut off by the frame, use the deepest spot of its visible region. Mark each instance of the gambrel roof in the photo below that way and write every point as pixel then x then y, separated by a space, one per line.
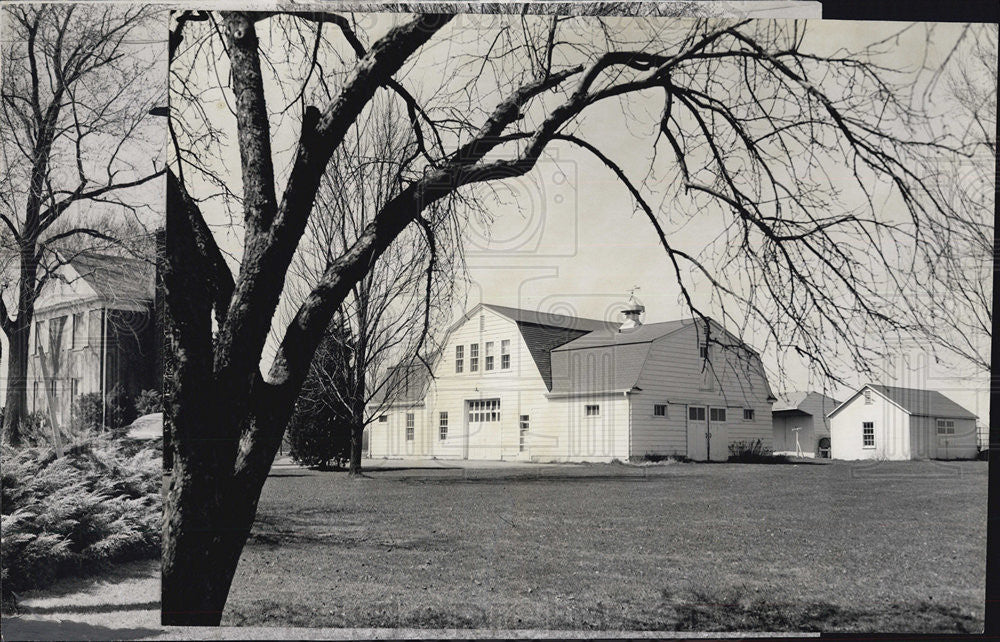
pixel 543 332
pixel 923 403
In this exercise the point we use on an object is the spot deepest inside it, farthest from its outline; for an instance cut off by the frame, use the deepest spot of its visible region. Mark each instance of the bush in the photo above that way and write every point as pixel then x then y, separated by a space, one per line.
pixel 148 402
pixel 90 415
pixel 318 442
pixel 98 504
pixel 753 452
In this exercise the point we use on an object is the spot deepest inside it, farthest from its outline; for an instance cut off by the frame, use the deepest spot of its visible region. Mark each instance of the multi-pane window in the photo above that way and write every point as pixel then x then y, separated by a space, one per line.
pixel 483 410
pixel 717 414
pixel 868 434
pixel 442 426
pixel 459 358
pixel 474 357
pixel 868 396
pixel 79 331
pixel 94 324
pixel 748 414
pixel 489 356
pixel 409 426
pixel 696 413
pixel 946 426
pixel 523 430
pixel 592 410
pixel 505 354
pixel 659 410
pixel 383 418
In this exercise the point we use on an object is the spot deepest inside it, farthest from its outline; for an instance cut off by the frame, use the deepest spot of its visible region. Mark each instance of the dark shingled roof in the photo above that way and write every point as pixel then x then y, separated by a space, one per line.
pixel 117 279
pixel 544 331
pixel 608 335
pixel 925 403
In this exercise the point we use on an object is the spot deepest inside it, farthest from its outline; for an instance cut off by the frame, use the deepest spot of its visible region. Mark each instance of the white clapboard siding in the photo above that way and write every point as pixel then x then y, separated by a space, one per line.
pixel 673 374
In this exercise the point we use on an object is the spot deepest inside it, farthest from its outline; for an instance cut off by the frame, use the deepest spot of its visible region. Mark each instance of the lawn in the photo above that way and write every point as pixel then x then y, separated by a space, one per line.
pixel 839 546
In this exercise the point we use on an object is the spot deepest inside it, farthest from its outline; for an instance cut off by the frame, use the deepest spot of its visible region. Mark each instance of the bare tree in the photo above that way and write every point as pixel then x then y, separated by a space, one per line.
pixel 743 120
pixel 77 85
pixel 395 311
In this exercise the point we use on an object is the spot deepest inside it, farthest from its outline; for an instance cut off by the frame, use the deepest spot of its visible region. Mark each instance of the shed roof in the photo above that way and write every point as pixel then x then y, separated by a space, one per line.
pixel 924 403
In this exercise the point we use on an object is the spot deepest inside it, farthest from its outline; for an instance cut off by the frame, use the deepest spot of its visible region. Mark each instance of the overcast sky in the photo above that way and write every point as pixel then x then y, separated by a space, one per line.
pixel 566 237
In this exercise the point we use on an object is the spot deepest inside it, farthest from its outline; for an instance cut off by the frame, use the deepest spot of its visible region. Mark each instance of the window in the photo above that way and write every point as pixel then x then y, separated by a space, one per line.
pixel 868 396
pixel 696 413
pixel 409 426
pixel 592 410
pixel 868 434
pixel 717 414
pixel 946 426
pixel 474 357
pixel 383 418
pixel 505 354
pixel 442 426
pixel 459 358
pixel 94 328
pixel 659 410
pixel 79 331
pixel 56 335
pixel 489 355
pixel 703 351
pixel 483 410
pixel 523 433
pixel 39 333
pixel 748 414
pixel 74 389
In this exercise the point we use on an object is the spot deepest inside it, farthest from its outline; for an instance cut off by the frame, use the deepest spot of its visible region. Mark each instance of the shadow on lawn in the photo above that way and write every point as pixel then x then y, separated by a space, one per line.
pixel 18 628
pixel 702 611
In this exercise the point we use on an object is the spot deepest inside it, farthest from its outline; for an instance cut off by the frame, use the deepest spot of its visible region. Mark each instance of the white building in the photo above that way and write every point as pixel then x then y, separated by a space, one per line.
pixel 883 422
pixel 800 424
pixel 516 384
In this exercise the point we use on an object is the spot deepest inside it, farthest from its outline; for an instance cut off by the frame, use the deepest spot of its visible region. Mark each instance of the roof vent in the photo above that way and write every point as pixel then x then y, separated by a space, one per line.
pixel 633 310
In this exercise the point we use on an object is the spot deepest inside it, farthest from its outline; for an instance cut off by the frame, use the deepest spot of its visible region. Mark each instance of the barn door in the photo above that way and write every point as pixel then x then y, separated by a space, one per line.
pixel 718 436
pixel 697 433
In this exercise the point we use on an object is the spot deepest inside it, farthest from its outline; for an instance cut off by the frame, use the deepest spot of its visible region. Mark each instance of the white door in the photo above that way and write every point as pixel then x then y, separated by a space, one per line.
pixel 482 429
pixel 697 433
pixel 718 436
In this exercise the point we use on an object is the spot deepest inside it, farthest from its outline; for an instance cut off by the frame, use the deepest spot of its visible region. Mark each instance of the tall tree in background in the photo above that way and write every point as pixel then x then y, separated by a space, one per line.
pixel 745 126
pixel 77 84
pixel 392 315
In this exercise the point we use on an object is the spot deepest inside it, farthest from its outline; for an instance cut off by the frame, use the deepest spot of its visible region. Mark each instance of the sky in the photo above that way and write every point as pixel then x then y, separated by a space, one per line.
pixel 566 238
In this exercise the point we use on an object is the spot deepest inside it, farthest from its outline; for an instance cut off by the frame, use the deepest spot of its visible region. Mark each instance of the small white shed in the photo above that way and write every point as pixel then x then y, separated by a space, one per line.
pixel 886 422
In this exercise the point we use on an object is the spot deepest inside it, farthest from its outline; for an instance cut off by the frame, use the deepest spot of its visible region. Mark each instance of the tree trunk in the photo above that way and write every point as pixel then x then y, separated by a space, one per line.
pixel 16 405
pixel 357 439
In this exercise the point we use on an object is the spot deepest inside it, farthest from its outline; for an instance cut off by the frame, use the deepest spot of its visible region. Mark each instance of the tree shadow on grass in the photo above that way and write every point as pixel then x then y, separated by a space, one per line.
pixel 96 576
pixel 735 611
pixel 19 628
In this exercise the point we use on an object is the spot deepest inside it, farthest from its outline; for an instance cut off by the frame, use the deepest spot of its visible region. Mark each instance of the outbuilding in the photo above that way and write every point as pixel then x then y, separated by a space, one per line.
pixel 800 424
pixel 886 422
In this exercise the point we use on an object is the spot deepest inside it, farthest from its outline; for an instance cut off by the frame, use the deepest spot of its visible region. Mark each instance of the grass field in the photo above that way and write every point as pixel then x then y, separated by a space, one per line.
pixel 837 547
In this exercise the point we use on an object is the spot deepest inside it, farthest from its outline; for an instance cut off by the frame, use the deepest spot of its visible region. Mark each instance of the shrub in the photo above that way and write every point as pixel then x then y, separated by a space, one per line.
pixel 148 402
pixel 753 452
pixel 90 415
pixel 98 504
pixel 318 442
